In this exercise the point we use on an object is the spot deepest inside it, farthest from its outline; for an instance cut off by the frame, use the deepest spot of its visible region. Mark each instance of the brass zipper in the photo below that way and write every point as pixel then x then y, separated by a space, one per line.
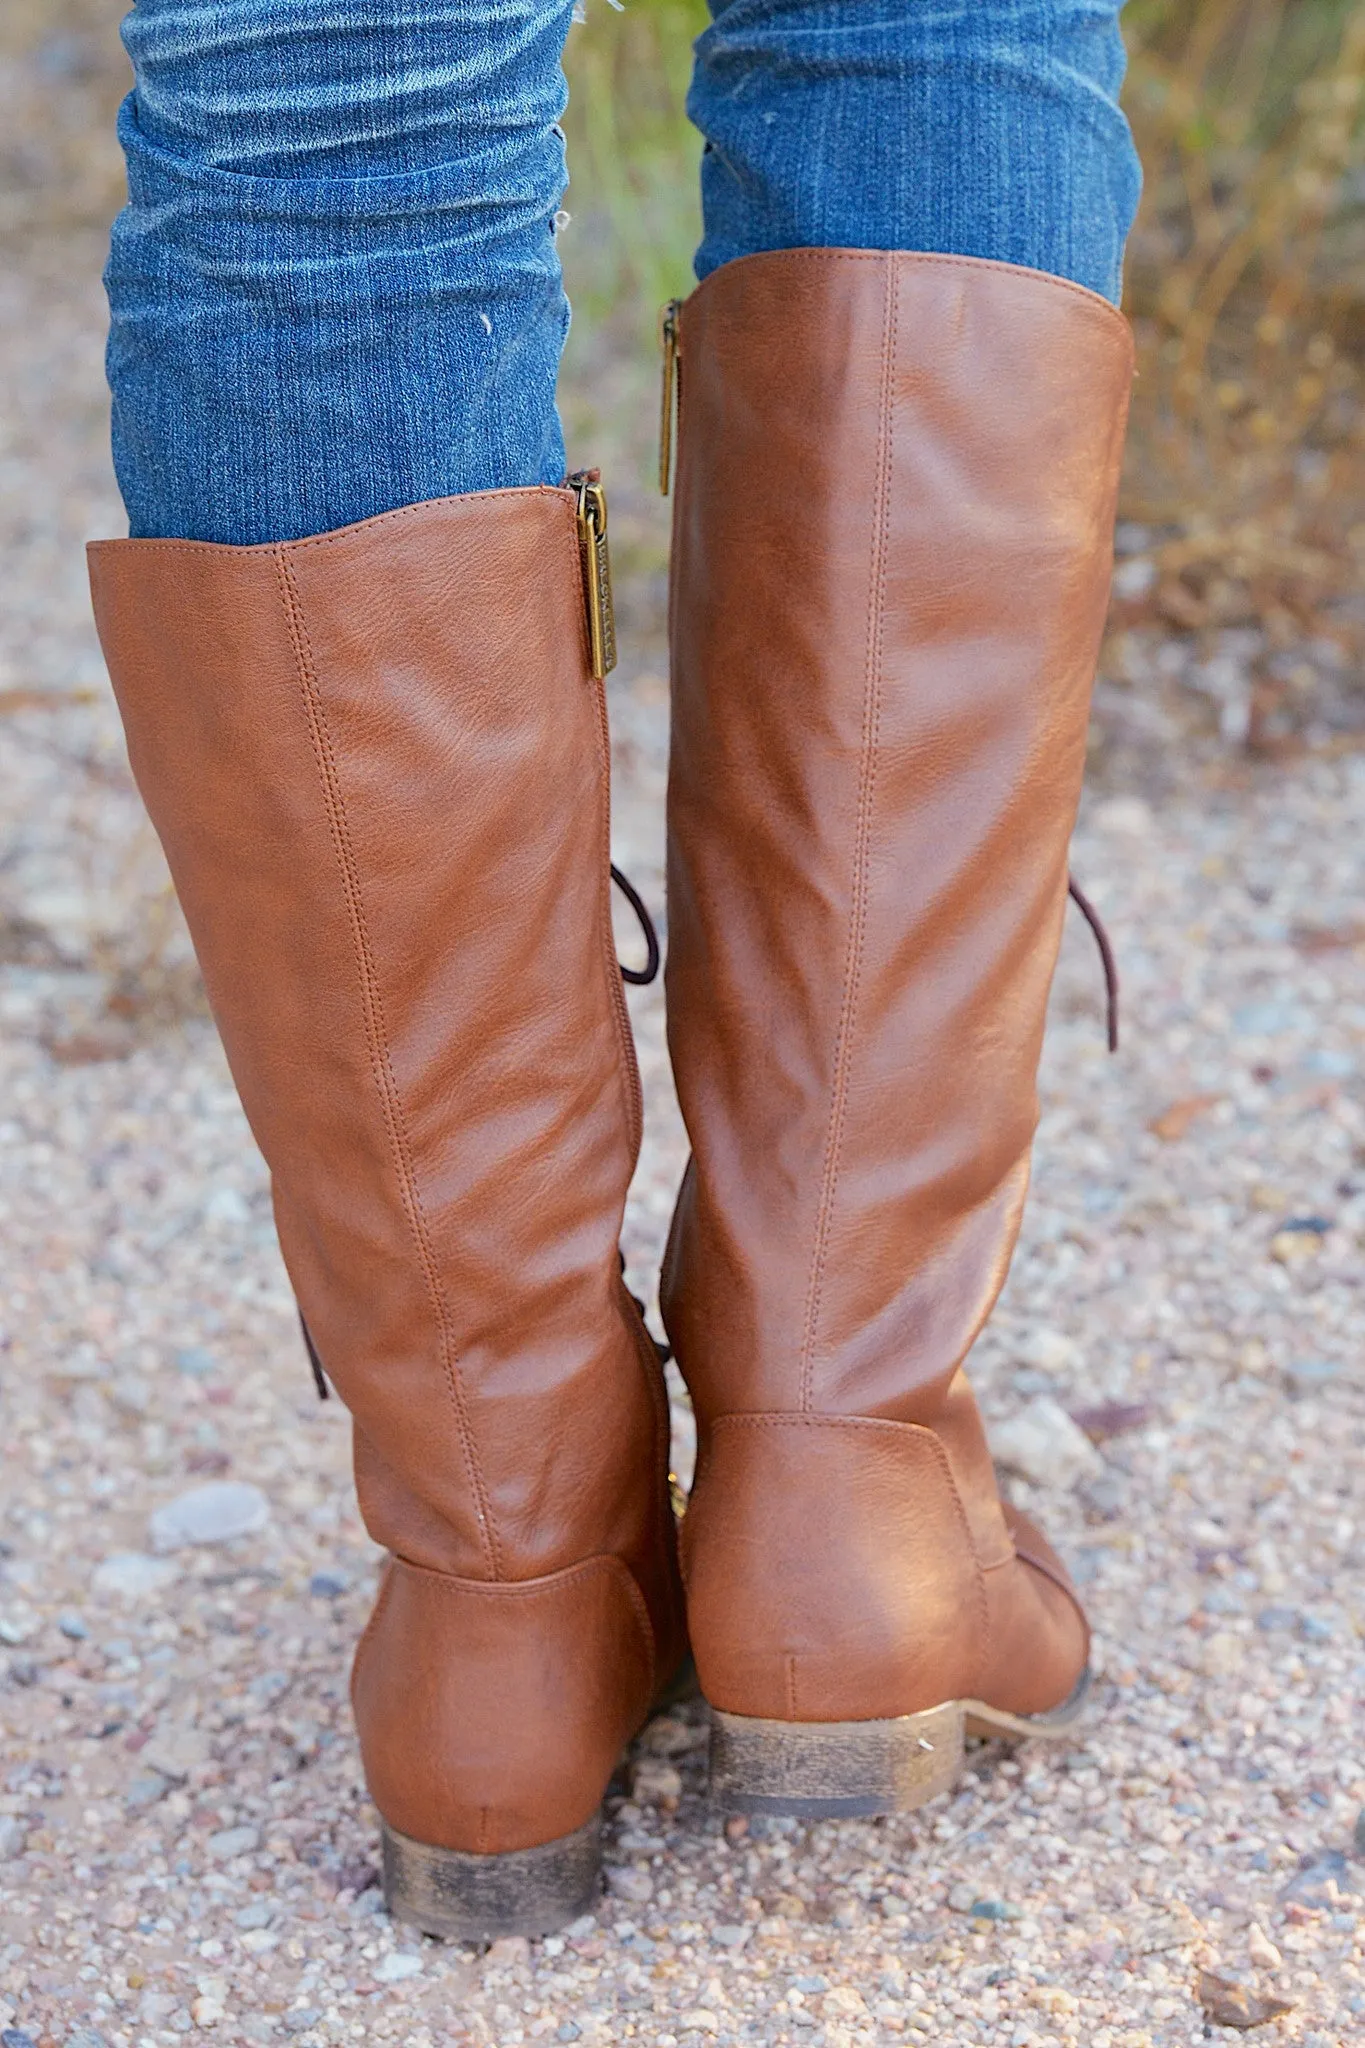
pixel 592 541
pixel 668 342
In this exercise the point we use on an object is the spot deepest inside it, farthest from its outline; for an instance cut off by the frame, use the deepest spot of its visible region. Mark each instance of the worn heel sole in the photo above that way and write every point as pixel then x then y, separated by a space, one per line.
pixel 835 1770
pixel 466 1897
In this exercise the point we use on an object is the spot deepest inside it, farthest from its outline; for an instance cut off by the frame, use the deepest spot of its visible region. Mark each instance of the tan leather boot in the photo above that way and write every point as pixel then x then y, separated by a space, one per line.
pixel 895 500
pixel 377 761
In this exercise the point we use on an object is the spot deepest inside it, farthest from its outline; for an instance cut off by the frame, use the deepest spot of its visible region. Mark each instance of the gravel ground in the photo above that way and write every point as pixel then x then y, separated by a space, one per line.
pixel 1174 1376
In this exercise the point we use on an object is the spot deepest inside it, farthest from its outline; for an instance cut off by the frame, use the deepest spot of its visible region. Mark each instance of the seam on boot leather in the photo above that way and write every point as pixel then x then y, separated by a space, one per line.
pixel 381 1066
pixel 867 776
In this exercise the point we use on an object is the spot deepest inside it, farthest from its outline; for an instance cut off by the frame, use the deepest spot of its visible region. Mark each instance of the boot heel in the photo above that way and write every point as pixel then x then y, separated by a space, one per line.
pixel 466 1897
pixel 832 1770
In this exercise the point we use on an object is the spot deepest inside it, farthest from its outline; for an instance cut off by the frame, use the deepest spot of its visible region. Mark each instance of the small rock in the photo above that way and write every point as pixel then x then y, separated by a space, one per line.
pixel 1310 1375
pixel 1105 1497
pixel 132 1575
pixel 304 2017
pixel 195 1361
pixel 175 1752
pixel 230 1842
pixel 1230 2004
pixel 635 1885
pixel 1314 1629
pixel 13 1836
pixel 1262 1950
pixel 73 1628
pixel 508 1950
pixel 894 1907
pixel 15 2037
pixel 731 1935
pixel 209 1514
pixel 1112 1418
pixel 16 1628
pixel 1277 1620
pixel 962 1898
pixel 23 1671
pixel 392 1969
pixel 568 2030
pixel 85 2037
pixel 327 1585
pixel 206 2012
pixel 226 1205
pixel 995 1909
pixel 582 1927
pixel 145 1790
pixel 701 2018
pixel 667 1736
pixel 1047 1350
pixel 1127 816
pixel 1044 1445
pixel 655 1783
pixel 131 1395
pixel 257 1914
pixel 1358 1835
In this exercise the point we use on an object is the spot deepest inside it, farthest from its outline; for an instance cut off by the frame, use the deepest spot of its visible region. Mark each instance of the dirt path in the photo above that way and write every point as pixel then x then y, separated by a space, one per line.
pixel 185 1842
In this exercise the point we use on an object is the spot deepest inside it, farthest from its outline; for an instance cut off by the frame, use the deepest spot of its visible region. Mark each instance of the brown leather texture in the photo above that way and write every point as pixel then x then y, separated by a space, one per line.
pixel 892 543
pixel 515 1670
pixel 377 762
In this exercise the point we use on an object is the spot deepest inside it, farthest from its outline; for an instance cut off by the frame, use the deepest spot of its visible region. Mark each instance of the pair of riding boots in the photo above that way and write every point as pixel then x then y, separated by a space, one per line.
pixel 377 760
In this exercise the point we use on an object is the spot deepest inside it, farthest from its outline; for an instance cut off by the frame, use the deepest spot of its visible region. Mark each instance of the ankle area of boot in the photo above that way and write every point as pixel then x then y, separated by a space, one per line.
pixel 830 1570
pixel 491 1715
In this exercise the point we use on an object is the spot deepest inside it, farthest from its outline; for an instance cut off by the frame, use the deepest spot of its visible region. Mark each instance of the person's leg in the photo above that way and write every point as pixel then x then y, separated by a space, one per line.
pixel 334 289
pixel 903 384
pixel 966 127
pixel 377 760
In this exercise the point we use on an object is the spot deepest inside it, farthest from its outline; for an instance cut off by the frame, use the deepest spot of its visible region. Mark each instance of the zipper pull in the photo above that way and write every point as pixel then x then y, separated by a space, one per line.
pixel 592 542
pixel 668 341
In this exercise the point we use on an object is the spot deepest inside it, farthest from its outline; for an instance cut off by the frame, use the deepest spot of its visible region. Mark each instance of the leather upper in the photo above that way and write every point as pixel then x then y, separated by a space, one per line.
pixel 892 542
pixel 377 761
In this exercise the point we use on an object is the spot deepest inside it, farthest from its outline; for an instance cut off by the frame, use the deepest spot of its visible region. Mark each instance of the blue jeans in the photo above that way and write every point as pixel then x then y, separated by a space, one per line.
pixel 335 290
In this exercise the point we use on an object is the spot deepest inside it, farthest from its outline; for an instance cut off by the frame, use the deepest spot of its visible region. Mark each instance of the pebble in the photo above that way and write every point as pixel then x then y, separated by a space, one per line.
pixel 1358 1835
pixel 214 1513
pixel 328 1585
pixel 637 1886
pixel 655 1783
pixel 1262 1950
pixel 195 1361
pixel 1046 1350
pixel 85 2037
pixel 395 1967
pixel 132 1575
pixel 230 1842
pixel 257 1914
pixel 15 2037
pixel 16 1629
pixel 13 1835
pixel 146 1790
pixel 72 1627
pixel 507 1951
pixel 1277 1620
pixel 1044 1445
pixel 1310 1375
